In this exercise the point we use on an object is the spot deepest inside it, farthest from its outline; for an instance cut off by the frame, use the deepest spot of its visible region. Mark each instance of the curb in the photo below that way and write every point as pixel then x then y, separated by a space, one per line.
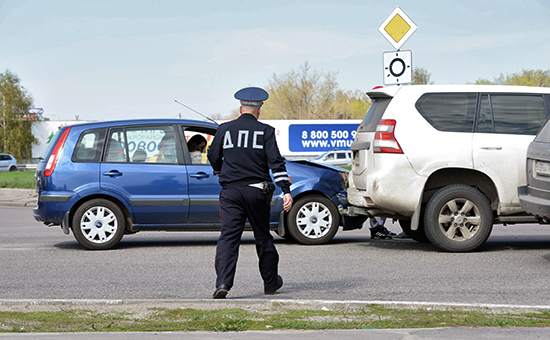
pixel 26 204
pixel 248 304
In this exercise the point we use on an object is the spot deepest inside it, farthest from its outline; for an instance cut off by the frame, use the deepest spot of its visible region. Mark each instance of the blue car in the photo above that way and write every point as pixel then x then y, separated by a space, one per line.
pixel 102 180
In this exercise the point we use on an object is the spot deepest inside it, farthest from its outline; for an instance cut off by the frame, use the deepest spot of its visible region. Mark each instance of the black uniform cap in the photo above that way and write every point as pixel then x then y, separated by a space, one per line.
pixel 252 96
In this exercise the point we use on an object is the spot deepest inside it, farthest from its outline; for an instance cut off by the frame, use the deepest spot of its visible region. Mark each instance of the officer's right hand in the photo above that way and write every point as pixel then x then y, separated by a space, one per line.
pixel 287 202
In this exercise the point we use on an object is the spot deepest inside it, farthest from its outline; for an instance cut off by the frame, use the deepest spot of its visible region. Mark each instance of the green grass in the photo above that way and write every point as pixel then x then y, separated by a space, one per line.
pixel 278 318
pixel 17 179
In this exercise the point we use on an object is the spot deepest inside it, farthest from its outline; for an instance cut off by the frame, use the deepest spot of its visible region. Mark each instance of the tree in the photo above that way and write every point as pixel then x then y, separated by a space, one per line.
pixel 309 94
pixel 15 123
pixel 352 104
pixel 525 77
pixel 421 76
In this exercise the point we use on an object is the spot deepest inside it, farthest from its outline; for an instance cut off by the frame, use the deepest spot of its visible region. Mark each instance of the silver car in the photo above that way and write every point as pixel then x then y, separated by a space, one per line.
pixel 7 162
pixel 534 197
pixel 335 158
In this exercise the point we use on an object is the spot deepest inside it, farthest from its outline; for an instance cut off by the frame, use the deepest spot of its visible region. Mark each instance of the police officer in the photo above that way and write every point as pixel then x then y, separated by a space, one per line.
pixel 242 153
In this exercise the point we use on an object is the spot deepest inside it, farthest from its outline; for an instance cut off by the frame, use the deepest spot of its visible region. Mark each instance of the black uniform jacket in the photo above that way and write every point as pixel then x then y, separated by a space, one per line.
pixel 244 150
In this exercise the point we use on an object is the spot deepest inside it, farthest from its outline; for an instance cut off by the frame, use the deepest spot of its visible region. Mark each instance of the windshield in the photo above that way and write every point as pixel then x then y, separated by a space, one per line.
pixel 321 155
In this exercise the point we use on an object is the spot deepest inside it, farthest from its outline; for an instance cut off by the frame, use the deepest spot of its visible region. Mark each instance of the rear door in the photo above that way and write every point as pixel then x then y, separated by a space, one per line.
pixel 143 165
pixel 506 124
pixel 361 147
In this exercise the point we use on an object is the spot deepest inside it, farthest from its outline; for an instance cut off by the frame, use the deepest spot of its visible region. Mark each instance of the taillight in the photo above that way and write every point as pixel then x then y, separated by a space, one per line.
pixel 52 161
pixel 384 139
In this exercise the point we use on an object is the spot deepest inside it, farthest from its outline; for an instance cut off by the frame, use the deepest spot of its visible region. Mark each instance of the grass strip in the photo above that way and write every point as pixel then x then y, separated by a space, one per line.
pixel 231 320
pixel 17 179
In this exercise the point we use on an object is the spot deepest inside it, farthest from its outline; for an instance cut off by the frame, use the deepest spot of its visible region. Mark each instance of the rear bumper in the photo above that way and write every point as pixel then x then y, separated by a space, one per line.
pixel 52 208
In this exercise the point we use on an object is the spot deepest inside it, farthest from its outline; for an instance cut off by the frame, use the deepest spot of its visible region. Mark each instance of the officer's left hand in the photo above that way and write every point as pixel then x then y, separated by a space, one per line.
pixel 287 202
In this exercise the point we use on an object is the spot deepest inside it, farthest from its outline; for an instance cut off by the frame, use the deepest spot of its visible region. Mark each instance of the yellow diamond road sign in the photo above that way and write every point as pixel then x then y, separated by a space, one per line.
pixel 397 28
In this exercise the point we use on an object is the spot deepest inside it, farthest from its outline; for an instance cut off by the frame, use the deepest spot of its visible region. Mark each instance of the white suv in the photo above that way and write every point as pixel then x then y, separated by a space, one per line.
pixel 446 160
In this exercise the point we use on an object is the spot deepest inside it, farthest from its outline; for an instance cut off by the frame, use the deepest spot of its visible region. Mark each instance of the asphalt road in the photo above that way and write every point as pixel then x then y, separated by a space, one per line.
pixel 37 262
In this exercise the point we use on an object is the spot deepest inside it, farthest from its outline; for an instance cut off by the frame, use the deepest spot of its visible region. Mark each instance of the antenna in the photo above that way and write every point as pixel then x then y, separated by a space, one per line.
pixel 197 112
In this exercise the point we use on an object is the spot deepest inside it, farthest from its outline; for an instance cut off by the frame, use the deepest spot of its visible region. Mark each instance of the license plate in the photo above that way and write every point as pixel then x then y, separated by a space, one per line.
pixel 542 169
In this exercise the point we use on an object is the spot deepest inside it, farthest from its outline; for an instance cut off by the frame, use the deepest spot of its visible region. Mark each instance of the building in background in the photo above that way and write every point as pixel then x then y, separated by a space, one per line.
pixel 297 139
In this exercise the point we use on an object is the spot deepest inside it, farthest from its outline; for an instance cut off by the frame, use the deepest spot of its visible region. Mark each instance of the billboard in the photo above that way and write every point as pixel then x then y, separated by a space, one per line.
pixel 294 137
pixel 320 137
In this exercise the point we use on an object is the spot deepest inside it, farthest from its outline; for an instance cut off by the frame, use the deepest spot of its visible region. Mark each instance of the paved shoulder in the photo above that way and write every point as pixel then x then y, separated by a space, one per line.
pixel 18 197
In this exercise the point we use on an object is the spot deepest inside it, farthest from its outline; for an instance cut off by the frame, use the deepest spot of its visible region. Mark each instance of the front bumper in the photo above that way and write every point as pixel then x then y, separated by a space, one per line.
pixel 536 205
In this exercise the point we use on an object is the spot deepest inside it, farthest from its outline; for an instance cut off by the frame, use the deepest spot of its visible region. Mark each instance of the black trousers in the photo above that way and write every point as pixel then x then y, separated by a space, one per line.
pixel 236 205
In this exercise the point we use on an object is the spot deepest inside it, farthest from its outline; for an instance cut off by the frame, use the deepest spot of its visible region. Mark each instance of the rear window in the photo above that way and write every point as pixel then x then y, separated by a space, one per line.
pixel 374 114
pixel 451 112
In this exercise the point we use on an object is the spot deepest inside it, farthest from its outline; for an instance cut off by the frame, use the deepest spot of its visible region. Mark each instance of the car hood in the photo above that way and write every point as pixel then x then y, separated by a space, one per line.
pixel 318 165
pixel 310 176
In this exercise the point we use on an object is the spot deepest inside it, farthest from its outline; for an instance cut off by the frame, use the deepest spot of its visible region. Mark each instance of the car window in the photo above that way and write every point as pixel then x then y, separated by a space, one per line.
pixel 518 114
pixel 4 158
pixel 374 114
pixel 89 146
pixel 197 143
pixel 152 144
pixel 341 156
pixel 116 152
pixel 452 112
pixel 142 144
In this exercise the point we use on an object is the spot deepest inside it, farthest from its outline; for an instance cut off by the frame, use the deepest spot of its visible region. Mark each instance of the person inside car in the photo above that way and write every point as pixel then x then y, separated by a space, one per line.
pixel 196 145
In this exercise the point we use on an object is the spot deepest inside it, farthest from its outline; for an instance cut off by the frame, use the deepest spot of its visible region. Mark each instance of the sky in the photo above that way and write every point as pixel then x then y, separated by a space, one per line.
pixel 106 60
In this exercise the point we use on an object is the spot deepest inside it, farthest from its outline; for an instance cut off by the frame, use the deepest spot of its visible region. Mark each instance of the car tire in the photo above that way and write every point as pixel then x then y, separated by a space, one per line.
pixel 98 224
pixel 458 218
pixel 13 168
pixel 313 220
pixel 418 235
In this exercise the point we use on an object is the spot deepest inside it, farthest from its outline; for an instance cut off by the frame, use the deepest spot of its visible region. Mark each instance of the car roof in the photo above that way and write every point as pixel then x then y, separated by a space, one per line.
pixel 110 123
pixel 391 91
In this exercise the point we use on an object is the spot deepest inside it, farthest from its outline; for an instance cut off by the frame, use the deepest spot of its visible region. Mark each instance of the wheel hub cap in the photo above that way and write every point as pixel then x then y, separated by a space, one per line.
pixel 314 220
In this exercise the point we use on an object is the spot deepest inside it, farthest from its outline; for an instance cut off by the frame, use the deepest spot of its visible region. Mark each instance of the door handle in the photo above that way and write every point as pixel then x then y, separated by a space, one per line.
pixel 200 175
pixel 113 173
pixel 491 148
